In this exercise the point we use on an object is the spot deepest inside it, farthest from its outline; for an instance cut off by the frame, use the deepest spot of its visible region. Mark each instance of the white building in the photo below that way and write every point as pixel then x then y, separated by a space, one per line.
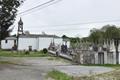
pixel 31 41
pixel 8 43
pixel 27 41
pixel 37 42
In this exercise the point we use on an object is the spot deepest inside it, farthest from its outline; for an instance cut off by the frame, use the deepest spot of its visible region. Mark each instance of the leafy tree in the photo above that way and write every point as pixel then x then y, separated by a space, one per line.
pixel 107 32
pixel 64 36
pixel 8 12
pixel 112 32
pixel 96 36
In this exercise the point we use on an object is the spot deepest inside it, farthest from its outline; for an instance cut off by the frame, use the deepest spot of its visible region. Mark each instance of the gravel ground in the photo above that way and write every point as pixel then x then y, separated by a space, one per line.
pixel 82 70
pixel 36 68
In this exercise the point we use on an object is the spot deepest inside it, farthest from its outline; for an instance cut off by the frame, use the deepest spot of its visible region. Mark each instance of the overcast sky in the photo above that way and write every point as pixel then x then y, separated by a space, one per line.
pixel 66 16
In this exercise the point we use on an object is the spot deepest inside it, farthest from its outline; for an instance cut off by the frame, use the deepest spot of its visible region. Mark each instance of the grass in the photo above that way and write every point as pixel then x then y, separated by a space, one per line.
pixel 22 54
pixel 103 65
pixel 113 75
pixel 7 62
pixel 57 75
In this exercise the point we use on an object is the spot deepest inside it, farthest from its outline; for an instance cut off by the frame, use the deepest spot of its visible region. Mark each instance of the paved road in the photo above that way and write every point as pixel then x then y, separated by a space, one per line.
pixel 36 68
pixel 28 68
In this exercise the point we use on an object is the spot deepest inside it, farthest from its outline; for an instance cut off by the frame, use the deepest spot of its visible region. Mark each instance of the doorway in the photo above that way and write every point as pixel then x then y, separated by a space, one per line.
pixel 101 58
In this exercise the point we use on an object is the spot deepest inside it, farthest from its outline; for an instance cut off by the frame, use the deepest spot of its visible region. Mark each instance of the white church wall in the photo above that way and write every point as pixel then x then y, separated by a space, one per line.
pixel 58 41
pixel 44 42
pixel 24 43
pixel 7 44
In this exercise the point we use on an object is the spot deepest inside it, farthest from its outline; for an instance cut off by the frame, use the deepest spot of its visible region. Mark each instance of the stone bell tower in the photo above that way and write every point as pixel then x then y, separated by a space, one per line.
pixel 20 27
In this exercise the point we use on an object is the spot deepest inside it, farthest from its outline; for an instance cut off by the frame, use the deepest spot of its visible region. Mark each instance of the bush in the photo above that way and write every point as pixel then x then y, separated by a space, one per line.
pixel 45 50
pixel 27 52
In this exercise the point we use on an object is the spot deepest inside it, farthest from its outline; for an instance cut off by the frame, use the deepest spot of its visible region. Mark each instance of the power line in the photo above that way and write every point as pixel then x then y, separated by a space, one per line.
pixel 40 5
pixel 36 6
pixel 84 23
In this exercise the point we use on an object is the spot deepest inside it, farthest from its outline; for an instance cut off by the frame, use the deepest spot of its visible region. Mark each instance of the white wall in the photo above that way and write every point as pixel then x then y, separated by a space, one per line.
pixel 119 57
pixel 44 42
pixel 58 41
pixel 68 43
pixel 24 43
pixel 37 43
pixel 8 45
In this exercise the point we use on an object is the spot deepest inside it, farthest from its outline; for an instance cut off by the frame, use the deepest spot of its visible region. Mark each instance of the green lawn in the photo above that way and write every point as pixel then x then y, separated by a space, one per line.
pixel 22 54
pixel 57 75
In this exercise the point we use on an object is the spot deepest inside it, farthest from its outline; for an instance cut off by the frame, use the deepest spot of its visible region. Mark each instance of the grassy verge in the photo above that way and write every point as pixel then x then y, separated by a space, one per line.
pixel 22 54
pixel 57 75
pixel 7 62
pixel 113 75
pixel 103 65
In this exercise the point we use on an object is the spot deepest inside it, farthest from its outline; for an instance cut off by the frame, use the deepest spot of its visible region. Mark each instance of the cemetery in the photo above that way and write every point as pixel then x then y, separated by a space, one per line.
pixel 86 53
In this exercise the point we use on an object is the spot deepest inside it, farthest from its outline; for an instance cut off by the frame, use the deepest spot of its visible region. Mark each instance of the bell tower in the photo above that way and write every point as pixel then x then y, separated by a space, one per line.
pixel 20 27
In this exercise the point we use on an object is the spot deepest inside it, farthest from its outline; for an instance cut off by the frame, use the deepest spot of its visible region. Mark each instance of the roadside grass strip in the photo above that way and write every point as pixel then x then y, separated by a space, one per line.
pixel 57 75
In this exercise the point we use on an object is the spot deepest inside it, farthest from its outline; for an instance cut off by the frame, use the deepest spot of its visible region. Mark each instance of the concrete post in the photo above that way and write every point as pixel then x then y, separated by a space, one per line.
pixel 96 57
pixel 114 57
pixel 105 57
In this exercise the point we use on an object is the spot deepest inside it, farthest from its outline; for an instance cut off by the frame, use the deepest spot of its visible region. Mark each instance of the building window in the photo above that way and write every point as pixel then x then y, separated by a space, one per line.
pixel 6 41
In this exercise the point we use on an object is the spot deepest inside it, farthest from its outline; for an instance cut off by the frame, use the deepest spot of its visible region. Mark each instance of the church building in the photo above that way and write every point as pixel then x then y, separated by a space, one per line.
pixel 27 41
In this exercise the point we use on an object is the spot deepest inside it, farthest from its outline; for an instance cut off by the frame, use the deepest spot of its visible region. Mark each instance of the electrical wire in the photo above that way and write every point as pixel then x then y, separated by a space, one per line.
pixel 84 23
pixel 40 6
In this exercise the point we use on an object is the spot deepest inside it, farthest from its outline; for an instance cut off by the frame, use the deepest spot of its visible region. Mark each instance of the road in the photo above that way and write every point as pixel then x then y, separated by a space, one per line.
pixel 36 68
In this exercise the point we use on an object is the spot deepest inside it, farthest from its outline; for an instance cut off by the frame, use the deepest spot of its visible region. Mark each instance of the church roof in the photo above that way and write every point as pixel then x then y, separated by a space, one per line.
pixel 38 35
pixel 10 38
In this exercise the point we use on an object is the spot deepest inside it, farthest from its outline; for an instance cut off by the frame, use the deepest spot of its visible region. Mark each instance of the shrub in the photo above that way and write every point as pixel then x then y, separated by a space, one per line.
pixel 45 50
pixel 27 52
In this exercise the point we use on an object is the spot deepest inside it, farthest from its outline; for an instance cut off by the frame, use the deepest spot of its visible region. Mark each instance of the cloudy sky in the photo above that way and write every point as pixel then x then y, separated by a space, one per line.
pixel 69 17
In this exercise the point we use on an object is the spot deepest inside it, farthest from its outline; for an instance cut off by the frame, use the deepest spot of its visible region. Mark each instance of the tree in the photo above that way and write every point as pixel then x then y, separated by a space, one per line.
pixel 107 32
pixel 112 32
pixel 8 12
pixel 64 36
pixel 96 36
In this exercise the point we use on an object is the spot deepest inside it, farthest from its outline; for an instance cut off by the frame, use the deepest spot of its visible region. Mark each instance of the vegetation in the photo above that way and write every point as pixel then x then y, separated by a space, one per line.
pixel 22 54
pixel 99 37
pixel 45 50
pixel 7 62
pixel 104 65
pixel 113 75
pixel 8 12
pixel 57 75
pixel 107 32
